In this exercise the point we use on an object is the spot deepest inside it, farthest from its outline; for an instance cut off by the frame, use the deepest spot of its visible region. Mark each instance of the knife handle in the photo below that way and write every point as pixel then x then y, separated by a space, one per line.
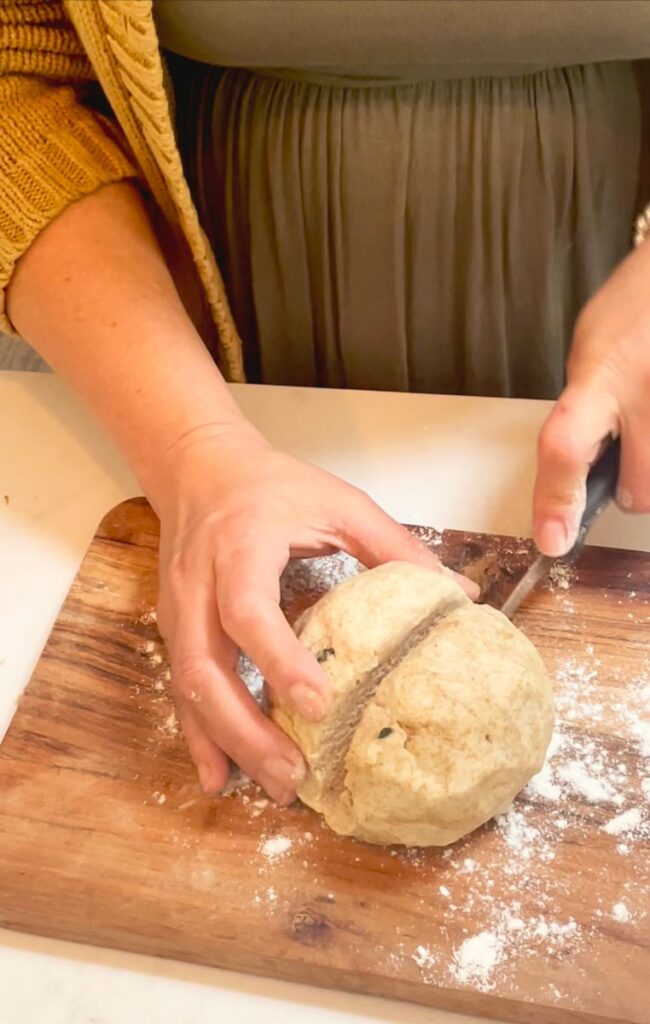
pixel 601 488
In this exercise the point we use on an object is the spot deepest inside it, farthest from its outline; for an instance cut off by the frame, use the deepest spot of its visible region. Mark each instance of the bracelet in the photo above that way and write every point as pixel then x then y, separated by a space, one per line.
pixel 642 226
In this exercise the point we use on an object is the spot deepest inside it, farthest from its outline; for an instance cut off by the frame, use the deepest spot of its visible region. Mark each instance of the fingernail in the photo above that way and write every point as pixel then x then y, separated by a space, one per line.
pixel 471 588
pixel 624 497
pixel 308 702
pixel 280 776
pixel 553 538
pixel 285 799
pixel 206 778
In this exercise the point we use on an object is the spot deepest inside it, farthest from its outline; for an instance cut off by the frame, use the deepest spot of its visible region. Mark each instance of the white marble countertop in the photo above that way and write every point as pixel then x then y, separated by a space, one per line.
pixel 466 463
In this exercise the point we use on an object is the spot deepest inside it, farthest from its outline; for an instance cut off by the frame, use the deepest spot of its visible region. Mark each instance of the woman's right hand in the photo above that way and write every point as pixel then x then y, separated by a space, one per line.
pixel 233 513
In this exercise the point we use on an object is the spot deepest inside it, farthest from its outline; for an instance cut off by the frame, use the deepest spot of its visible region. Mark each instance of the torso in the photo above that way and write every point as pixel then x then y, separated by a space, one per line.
pixel 411 195
pixel 391 39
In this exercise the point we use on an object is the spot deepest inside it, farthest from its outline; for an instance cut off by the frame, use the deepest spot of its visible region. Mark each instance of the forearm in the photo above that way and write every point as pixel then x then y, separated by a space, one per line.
pixel 94 296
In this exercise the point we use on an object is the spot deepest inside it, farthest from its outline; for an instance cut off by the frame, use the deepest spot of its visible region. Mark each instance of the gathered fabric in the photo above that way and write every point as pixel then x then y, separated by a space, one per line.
pixel 436 236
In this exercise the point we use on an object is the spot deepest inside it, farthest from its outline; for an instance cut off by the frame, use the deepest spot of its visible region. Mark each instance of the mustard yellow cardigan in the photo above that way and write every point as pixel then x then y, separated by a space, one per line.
pixel 57 145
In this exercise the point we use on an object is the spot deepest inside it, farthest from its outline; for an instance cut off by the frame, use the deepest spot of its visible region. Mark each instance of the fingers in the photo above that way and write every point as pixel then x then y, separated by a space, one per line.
pixel 374 538
pixel 232 719
pixel 633 493
pixel 212 766
pixel 568 443
pixel 248 594
pixel 217 711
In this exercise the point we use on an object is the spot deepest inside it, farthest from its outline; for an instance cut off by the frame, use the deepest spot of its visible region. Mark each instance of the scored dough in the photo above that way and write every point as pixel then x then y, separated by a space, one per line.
pixel 442 710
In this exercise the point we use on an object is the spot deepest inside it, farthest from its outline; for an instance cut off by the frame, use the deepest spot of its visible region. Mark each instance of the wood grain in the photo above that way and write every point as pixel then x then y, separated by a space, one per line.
pixel 541 917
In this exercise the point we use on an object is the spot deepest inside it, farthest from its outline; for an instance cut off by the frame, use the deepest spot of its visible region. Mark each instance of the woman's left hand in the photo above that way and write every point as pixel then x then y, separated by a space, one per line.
pixel 607 392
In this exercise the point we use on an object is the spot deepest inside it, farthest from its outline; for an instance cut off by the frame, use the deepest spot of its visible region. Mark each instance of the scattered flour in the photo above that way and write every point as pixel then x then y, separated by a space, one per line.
pixel 424 957
pixel 170 726
pixel 521 837
pixel 275 847
pixel 624 823
pixel 543 785
pixel 620 912
pixel 257 807
pixel 475 960
pixel 641 730
pixel 595 790
pixel 430 536
pixel 561 576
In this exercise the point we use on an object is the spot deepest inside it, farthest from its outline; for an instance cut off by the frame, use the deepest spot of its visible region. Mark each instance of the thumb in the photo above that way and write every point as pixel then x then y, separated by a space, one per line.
pixel 374 538
pixel 569 442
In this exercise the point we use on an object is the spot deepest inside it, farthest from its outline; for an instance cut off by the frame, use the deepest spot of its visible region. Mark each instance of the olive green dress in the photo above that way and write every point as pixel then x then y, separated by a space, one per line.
pixel 411 195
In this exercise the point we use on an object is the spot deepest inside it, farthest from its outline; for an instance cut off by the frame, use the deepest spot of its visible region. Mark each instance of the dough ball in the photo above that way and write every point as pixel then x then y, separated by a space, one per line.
pixel 442 709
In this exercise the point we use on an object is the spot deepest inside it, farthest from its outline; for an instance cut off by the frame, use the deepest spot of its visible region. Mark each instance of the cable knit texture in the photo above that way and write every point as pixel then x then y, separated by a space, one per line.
pixel 55 147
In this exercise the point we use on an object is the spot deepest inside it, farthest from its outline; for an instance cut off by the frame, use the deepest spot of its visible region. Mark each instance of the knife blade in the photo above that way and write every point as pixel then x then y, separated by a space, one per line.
pixel 600 489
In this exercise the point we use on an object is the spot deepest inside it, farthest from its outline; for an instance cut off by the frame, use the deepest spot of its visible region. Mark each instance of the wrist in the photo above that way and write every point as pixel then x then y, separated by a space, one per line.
pixel 201 458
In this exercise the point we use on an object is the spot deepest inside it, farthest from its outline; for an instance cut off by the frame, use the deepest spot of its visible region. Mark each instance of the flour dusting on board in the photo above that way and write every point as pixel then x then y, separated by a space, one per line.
pixel 628 823
pixel 519 902
pixel 503 894
pixel 275 847
pixel 476 958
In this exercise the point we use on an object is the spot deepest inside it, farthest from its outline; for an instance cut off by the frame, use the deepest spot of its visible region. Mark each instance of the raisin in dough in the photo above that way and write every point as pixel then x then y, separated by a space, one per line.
pixel 442 709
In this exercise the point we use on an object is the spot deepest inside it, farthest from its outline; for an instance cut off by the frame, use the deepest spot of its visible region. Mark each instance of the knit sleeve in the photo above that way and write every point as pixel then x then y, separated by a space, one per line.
pixel 53 150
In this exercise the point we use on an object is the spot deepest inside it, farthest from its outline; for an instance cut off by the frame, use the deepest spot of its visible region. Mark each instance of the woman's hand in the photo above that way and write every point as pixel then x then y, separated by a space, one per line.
pixel 607 392
pixel 235 512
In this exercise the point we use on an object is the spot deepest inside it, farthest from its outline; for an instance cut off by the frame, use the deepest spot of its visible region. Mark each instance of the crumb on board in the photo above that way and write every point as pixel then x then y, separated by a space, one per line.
pixel 423 956
pixel 275 847
pixel 169 726
pixel 620 912
pixel 561 576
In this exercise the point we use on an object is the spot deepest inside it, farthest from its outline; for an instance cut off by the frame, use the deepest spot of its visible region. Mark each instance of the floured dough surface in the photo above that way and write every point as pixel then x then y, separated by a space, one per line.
pixel 442 709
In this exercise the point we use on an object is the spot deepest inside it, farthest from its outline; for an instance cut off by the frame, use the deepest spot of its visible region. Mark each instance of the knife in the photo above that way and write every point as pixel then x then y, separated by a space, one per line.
pixel 600 489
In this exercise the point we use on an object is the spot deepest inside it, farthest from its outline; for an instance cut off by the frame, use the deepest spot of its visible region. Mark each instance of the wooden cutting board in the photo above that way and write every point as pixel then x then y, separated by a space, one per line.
pixel 542 916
